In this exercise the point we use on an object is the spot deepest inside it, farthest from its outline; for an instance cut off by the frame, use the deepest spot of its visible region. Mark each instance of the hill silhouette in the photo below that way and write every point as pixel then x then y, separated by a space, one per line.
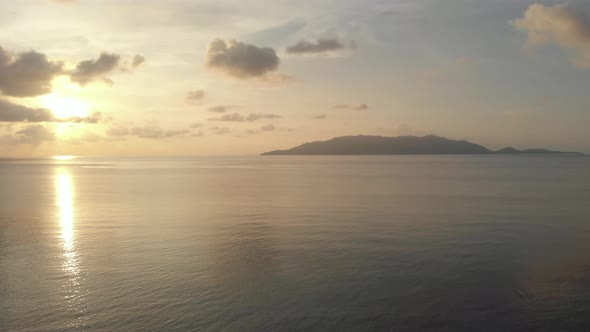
pixel 408 145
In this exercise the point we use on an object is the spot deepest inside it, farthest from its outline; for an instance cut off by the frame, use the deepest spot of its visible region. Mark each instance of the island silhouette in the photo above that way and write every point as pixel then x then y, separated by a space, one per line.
pixel 401 145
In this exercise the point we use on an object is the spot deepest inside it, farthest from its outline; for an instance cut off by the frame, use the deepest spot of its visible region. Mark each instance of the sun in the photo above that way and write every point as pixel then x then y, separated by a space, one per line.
pixel 65 107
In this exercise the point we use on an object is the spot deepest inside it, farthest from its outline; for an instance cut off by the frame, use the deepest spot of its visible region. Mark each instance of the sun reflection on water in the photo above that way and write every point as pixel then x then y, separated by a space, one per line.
pixel 65 198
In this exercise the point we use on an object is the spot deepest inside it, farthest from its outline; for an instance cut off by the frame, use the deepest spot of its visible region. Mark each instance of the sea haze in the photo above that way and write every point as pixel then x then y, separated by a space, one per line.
pixel 296 243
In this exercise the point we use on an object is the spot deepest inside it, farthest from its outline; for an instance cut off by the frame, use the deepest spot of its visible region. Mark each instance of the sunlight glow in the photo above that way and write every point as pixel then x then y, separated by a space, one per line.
pixel 62 158
pixel 64 196
pixel 65 203
pixel 64 107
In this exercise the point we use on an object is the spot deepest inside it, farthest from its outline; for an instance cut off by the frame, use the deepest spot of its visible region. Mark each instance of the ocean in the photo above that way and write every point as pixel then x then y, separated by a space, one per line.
pixel 296 243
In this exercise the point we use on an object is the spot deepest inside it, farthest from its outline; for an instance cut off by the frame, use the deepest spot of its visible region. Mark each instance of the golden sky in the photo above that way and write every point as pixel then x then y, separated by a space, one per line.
pixel 179 77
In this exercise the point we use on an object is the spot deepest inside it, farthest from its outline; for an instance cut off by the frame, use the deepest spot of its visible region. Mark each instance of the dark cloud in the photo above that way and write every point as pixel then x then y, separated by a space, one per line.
pixel 27 74
pixel 360 107
pixel 10 112
pixel 196 125
pixel 236 117
pixel 194 96
pixel 319 117
pixel 321 45
pixel 241 60
pixel 561 25
pixel 89 71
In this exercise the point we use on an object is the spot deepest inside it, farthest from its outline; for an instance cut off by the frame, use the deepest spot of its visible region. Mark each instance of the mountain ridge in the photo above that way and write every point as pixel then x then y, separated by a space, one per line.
pixel 399 145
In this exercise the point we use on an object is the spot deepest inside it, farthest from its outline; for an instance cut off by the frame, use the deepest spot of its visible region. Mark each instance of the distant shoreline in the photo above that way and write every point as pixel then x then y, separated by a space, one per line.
pixel 403 145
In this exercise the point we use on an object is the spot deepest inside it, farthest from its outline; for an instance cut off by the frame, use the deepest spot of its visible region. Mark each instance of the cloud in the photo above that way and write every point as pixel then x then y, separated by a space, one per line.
pixel 220 130
pixel 151 131
pixel 137 61
pixel 178 132
pixel 322 45
pixel 89 71
pixel 194 96
pixel 10 112
pixel 236 117
pixel 118 131
pixel 147 132
pixel 278 78
pixel 27 74
pixel 94 117
pixel 32 134
pixel 241 60
pixel 196 125
pixel 220 108
pixel 319 117
pixel 268 127
pixel 560 25
pixel 360 107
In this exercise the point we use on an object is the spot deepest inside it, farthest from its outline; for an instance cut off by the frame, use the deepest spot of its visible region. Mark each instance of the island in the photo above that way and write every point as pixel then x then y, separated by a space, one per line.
pixel 401 145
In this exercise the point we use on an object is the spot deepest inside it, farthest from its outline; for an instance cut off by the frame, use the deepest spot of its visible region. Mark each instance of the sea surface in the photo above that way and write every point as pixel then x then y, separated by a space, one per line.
pixel 289 243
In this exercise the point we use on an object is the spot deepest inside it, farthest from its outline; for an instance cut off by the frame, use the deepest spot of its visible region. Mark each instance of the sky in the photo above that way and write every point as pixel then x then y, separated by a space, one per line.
pixel 221 77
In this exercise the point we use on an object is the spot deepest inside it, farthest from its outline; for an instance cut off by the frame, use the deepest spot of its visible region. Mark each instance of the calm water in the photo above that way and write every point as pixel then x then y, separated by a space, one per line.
pixel 296 244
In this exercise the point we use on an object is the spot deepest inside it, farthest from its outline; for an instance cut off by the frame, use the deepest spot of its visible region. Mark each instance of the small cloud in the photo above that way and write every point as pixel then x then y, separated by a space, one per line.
pixel 322 45
pixel 89 71
pixel 319 117
pixel 194 96
pixel 179 132
pixel 94 117
pixel 221 108
pixel 151 131
pixel 360 107
pixel 561 25
pixel 220 130
pixel 137 61
pixel 268 127
pixel 118 131
pixel 279 78
pixel 236 117
pixel 241 60
pixel 196 125
pixel 27 74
